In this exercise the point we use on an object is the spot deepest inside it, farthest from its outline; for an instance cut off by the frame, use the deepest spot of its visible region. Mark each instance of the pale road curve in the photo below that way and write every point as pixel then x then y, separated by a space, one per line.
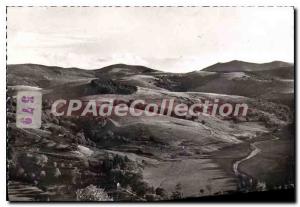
pixel 255 150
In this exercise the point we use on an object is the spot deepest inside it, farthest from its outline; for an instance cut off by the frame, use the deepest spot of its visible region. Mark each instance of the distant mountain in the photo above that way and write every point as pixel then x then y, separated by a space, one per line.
pixel 240 66
pixel 44 76
pixel 272 81
pixel 123 67
pixel 48 76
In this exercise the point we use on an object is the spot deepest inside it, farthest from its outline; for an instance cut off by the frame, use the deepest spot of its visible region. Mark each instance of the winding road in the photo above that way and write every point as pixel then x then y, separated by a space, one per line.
pixel 246 181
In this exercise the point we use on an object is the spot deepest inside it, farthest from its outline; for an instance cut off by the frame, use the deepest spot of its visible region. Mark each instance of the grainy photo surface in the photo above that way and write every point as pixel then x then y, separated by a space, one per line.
pixel 149 103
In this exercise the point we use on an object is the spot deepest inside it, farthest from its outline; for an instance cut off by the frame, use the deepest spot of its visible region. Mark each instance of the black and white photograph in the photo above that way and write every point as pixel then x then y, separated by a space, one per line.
pixel 150 104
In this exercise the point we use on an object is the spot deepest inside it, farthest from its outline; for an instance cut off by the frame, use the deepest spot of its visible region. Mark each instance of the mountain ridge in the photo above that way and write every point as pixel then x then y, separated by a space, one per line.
pixel 272 64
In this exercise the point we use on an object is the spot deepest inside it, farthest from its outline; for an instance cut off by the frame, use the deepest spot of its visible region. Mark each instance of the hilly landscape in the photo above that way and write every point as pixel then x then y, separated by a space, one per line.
pixel 153 158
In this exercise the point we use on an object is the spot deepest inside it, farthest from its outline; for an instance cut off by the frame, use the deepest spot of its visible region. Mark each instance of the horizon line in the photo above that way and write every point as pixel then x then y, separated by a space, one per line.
pixel 133 65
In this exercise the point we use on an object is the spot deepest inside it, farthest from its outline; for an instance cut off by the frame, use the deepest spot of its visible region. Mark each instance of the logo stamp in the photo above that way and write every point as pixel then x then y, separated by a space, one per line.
pixel 29 109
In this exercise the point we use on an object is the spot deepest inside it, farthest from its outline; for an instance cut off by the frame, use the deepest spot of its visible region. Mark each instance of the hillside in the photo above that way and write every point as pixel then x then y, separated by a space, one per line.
pixel 240 66
pixel 160 157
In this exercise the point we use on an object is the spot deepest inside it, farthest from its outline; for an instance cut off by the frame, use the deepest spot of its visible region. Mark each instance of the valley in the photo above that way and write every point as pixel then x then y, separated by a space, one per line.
pixel 154 158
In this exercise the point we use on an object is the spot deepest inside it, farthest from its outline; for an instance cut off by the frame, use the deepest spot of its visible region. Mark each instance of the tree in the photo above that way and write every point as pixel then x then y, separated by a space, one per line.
pixel 201 191
pixel 209 189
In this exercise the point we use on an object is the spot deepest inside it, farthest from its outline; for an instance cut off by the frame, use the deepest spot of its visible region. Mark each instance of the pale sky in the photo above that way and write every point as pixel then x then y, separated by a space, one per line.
pixel 168 39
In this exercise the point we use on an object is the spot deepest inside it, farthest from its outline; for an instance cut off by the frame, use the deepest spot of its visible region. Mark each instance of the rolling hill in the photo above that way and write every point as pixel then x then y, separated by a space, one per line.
pixel 149 157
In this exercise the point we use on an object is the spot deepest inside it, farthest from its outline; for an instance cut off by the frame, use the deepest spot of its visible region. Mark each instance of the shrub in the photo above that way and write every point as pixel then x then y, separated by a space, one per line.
pixel 177 194
pixel 160 191
pixel 41 160
pixel 261 186
pixel 92 193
